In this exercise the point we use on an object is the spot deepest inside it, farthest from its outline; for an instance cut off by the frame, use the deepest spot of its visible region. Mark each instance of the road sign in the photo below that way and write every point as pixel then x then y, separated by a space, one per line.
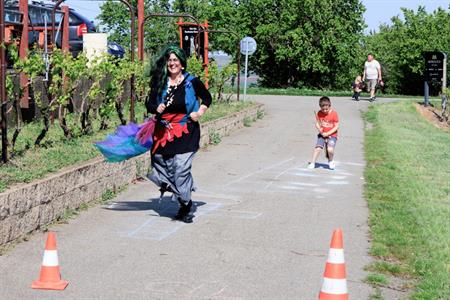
pixel 434 65
pixel 248 46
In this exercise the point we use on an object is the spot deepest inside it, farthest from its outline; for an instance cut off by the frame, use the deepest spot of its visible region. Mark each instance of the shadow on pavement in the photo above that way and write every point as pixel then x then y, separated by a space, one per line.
pixel 322 166
pixel 163 208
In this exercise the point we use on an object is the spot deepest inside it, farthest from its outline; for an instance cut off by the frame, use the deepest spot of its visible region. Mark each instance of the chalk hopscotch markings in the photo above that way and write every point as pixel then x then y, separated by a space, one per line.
pixel 352 164
pixel 278 176
pixel 303 183
pixel 259 171
pixel 305 174
pixel 336 182
pixel 338 177
pixel 249 215
pixel 158 229
pixel 321 190
pixel 290 187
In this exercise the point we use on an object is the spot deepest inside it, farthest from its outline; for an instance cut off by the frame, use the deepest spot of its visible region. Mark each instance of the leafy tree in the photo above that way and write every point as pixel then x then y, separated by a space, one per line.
pixel 399 47
pixel 115 19
pixel 300 42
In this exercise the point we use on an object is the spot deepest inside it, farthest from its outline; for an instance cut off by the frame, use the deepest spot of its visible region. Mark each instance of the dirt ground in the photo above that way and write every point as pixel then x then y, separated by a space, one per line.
pixel 433 115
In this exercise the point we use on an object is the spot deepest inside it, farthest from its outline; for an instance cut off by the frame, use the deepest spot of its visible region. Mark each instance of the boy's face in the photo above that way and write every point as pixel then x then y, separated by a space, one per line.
pixel 325 107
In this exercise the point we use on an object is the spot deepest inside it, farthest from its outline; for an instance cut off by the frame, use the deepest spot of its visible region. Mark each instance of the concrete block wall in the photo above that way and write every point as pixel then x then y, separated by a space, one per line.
pixel 25 208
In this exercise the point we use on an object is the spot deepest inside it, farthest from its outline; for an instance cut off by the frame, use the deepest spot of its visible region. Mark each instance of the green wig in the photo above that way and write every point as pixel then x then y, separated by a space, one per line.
pixel 159 71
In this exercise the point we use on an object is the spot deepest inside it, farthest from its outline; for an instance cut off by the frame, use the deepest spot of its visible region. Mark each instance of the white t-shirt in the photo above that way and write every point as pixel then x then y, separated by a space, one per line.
pixel 371 69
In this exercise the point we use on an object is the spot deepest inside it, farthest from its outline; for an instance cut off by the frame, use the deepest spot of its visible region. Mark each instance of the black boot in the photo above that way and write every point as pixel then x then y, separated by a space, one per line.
pixel 184 212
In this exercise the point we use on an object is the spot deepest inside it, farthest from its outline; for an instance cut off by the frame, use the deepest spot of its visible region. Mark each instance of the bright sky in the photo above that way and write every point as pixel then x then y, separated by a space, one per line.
pixel 378 11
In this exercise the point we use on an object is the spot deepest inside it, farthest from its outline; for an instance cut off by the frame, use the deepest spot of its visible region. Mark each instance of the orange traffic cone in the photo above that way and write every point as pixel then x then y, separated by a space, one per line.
pixel 334 285
pixel 50 278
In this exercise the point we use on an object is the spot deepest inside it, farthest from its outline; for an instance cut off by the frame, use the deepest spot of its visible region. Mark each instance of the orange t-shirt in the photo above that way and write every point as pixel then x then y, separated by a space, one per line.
pixel 328 121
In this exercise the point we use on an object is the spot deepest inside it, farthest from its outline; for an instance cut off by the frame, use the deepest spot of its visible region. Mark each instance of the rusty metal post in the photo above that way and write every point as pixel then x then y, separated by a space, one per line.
pixel 23 50
pixel 141 15
pixel 65 30
pixel 132 91
pixel 205 53
pixel 3 99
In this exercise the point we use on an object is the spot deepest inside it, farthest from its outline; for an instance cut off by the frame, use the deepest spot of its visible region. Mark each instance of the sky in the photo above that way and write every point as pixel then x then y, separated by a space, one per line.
pixel 377 11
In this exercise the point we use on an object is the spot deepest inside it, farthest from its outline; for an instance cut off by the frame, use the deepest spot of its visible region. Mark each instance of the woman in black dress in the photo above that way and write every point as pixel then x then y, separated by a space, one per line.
pixel 174 98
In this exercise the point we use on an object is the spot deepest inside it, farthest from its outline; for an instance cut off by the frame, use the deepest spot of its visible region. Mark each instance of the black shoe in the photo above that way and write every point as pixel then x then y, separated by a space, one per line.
pixel 372 99
pixel 184 212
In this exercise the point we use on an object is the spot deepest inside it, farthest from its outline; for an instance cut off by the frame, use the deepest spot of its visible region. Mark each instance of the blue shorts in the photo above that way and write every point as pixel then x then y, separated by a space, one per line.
pixel 330 141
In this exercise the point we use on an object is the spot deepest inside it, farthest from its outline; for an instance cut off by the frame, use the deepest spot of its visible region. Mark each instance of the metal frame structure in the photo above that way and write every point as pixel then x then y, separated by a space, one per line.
pixel 3 99
pixel 132 49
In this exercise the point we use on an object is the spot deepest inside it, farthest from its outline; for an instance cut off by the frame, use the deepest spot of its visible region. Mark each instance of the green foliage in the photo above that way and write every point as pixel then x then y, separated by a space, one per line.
pixel 310 43
pixel 407 192
pixel 376 279
pixel 248 122
pixel 399 48
pixel 116 20
pixel 214 138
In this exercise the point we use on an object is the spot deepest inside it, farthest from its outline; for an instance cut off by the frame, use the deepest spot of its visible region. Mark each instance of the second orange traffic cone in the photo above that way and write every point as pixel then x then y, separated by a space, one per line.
pixel 50 278
pixel 334 285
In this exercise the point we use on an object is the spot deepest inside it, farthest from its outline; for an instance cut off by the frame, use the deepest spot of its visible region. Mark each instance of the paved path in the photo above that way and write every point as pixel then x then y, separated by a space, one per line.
pixel 262 229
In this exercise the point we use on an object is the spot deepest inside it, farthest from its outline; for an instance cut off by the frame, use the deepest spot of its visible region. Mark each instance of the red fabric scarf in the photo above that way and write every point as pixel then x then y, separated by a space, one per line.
pixel 167 133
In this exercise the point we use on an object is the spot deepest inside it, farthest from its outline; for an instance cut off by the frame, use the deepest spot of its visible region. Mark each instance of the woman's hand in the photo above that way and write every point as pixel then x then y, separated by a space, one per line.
pixel 160 108
pixel 195 116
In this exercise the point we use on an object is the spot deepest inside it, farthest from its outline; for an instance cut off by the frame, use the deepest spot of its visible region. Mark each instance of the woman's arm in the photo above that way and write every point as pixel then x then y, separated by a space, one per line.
pixel 204 95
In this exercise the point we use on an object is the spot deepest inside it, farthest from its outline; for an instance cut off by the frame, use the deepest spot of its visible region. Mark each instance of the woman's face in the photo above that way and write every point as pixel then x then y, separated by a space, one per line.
pixel 173 65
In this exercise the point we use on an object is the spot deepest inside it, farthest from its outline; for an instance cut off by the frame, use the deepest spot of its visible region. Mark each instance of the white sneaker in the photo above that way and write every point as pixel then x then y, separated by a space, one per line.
pixel 311 165
pixel 331 165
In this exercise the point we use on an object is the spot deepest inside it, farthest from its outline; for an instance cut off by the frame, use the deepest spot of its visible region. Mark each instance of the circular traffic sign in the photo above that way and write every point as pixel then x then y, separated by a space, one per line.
pixel 248 46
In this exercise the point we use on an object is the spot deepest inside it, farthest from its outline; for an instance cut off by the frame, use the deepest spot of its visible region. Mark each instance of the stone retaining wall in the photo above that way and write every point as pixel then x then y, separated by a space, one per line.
pixel 28 207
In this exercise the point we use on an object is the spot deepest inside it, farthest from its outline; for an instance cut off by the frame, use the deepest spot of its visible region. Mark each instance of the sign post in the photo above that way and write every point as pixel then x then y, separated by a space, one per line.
pixel 435 71
pixel 248 47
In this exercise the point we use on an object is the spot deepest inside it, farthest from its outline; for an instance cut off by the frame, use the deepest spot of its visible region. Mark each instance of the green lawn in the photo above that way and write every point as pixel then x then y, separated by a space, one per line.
pixel 408 191
pixel 56 152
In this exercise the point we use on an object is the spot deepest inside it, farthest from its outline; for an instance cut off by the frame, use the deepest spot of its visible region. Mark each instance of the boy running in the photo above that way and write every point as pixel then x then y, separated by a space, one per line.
pixel 327 123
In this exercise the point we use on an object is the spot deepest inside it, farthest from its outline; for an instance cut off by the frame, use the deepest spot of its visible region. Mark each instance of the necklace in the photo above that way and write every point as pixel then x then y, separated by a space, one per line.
pixel 177 80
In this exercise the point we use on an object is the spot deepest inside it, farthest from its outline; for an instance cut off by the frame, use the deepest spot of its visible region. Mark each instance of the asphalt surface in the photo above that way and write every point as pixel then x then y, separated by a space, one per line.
pixel 262 228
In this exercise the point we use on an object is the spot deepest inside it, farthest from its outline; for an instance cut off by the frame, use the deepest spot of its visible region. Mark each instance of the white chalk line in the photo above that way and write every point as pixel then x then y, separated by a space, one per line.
pixel 259 171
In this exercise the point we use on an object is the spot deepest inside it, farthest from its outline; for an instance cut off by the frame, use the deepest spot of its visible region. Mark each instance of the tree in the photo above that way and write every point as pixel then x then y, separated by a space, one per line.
pixel 309 43
pixel 115 19
pixel 399 47
pixel 300 42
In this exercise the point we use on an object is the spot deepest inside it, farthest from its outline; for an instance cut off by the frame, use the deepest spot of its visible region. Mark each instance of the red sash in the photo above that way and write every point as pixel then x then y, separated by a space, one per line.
pixel 167 132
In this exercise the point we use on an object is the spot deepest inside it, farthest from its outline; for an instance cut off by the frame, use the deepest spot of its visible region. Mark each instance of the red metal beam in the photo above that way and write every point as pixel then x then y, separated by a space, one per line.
pixel 141 15
pixel 3 99
pixel 23 51
pixel 65 30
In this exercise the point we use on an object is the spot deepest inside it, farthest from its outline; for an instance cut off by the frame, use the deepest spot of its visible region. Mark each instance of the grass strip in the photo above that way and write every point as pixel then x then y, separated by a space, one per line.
pixel 408 188
pixel 56 152
pixel 255 90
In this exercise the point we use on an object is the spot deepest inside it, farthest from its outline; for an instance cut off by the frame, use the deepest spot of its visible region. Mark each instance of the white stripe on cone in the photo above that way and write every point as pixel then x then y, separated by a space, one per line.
pixel 334 286
pixel 50 258
pixel 336 256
